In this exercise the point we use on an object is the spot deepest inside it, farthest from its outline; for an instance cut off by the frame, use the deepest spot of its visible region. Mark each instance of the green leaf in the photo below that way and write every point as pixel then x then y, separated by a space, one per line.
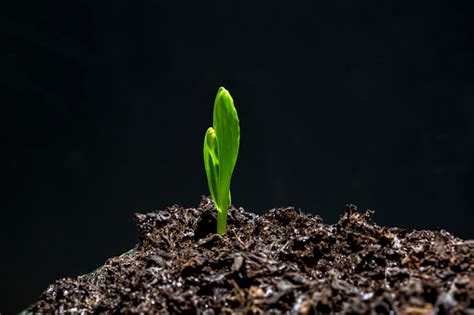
pixel 221 148
pixel 226 126
pixel 211 163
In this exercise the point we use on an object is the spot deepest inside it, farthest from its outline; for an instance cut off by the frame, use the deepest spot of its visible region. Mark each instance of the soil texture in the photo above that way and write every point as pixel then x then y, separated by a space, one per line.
pixel 282 262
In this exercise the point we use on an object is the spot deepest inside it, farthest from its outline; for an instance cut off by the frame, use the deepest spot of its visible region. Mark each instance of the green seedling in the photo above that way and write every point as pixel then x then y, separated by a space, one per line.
pixel 221 147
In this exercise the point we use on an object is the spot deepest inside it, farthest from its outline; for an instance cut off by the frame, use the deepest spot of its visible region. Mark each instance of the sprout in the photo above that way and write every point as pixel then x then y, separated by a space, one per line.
pixel 221 147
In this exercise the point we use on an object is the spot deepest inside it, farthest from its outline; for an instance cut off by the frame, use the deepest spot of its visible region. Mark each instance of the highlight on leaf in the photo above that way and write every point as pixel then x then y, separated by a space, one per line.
pixel 221 148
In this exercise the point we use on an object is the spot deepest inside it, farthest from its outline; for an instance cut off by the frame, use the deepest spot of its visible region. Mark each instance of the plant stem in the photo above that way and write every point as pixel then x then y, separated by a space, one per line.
pixel 221 222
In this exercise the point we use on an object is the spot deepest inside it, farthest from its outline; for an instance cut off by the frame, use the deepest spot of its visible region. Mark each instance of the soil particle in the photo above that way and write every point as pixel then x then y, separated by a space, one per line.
pixel 282 262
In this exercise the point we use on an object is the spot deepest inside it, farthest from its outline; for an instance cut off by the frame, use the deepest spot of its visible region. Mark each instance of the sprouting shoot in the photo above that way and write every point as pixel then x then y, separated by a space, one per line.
pixel 221 147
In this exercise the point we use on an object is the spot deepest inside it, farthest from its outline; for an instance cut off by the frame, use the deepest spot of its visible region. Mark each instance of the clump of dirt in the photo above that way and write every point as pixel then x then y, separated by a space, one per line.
pixel 283 261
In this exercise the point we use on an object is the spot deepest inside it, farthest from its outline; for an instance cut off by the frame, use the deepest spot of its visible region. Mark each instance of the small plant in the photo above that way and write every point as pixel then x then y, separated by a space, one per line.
pixel 221 147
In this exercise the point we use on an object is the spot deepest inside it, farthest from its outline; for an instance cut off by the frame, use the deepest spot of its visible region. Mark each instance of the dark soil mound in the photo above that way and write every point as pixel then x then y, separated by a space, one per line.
pixel 284 261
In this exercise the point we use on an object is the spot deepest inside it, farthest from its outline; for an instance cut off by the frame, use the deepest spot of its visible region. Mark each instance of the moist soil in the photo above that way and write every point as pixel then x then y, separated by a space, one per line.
pixel 282 262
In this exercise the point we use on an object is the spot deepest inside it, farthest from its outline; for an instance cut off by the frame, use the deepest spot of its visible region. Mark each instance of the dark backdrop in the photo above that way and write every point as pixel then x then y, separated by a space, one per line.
pixel 105 105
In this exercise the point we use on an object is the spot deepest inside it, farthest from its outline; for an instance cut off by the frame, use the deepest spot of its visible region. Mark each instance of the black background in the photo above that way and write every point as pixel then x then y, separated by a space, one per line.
pixel 105 105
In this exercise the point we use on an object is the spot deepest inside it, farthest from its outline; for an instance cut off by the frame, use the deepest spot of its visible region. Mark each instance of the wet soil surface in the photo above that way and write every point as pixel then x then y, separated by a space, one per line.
pixel 282 262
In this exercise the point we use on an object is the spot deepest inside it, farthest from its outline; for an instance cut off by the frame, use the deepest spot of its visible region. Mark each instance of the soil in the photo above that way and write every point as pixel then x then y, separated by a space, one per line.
pixel 282 262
